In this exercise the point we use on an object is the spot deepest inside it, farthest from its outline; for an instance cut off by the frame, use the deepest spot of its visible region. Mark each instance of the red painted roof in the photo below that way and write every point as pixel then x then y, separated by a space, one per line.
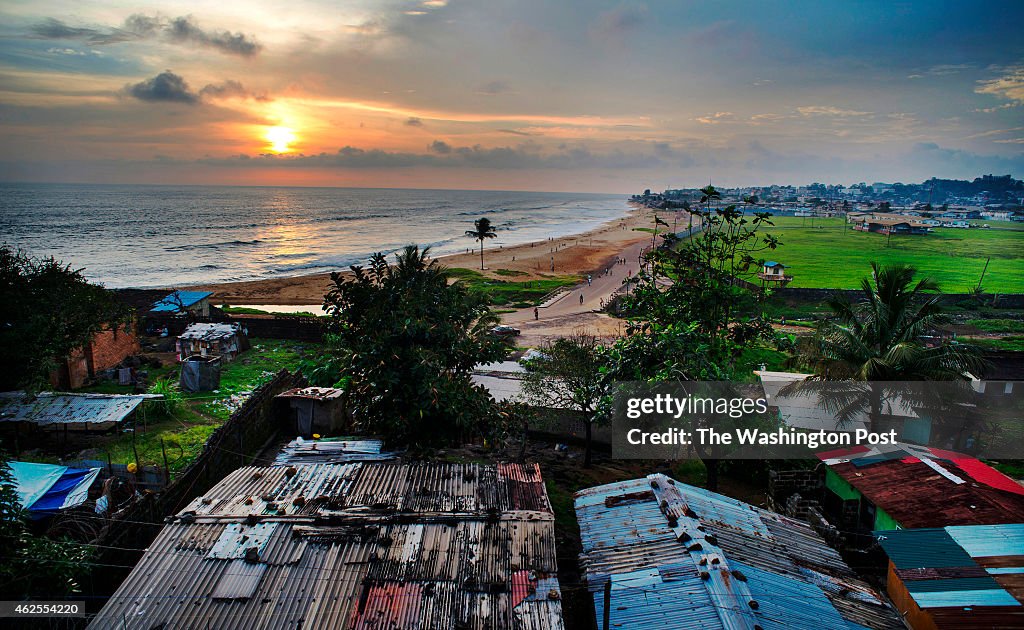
pixel 917 495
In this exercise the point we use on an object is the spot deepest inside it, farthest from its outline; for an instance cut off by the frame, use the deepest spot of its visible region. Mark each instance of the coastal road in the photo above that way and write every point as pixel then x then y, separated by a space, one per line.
pixel 601 288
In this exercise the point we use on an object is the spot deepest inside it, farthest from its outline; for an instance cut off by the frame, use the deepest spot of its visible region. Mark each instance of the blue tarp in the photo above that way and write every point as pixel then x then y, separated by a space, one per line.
pixel 44 489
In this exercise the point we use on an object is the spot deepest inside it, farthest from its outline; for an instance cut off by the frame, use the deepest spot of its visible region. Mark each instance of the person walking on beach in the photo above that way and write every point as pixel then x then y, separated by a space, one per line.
pixel 536 313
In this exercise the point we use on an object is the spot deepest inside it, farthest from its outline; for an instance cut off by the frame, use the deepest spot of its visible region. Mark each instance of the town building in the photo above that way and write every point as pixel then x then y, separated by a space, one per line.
pixel 662 554
pixel 969 577
pixel 357 545
pixel 887 223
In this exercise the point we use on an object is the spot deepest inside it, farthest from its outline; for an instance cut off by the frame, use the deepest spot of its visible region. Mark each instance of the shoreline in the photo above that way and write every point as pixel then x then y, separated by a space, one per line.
pixel 573 254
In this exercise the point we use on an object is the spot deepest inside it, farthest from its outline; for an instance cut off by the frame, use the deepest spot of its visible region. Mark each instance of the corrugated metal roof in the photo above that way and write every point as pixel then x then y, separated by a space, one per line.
pixel 352 546
pixel 75 411
pixel 941 568
pixel 919 495
pixel 205 331
pixel 179 299
pixel 990 540
pixel 690 557
pixel 927 547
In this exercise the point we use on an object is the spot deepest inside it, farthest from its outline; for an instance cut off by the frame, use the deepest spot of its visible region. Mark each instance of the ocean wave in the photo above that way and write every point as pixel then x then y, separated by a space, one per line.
pixel 224 244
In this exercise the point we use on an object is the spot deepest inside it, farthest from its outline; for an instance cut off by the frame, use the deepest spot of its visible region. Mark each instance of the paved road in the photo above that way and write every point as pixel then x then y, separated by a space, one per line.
pixel 601 288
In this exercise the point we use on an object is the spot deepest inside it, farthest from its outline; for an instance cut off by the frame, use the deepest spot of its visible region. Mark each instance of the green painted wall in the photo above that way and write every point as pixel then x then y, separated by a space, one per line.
pixel 885 522
pixel 838 485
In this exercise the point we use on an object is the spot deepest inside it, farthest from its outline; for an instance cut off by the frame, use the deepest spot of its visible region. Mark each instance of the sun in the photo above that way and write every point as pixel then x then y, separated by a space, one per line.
pixel 280 138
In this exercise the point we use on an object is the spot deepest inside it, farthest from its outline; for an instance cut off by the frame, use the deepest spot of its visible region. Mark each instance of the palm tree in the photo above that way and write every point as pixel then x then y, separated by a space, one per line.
pixel 482 230
pixel 879 338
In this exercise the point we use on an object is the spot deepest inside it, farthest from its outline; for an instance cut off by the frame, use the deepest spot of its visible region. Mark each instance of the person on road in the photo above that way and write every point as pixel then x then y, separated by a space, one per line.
pixel 581 298
pixel 536 313
pixel 588 280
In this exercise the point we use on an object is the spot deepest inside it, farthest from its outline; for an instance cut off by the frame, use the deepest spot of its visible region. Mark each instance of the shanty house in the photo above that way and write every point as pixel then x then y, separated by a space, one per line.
pixel 50 411
pixel 359 545
pixel 968 577
pixel 181 302
pixel 662 554
pixel 209 339
pixel 906 486
pixel 316 410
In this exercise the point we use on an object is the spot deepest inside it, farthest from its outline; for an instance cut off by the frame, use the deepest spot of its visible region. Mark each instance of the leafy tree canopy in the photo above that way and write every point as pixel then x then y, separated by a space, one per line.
pixel 403 342
pixel 47 310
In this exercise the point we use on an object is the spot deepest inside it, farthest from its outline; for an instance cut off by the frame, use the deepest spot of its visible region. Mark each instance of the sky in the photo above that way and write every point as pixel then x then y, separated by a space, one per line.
pixel 585 96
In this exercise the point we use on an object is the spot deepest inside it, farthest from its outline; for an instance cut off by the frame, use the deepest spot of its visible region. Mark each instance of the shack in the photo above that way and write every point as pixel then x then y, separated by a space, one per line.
pixel 357 545
pixel 662 554
pixel 182 302
pixel 958 576
pixel 205 339
pixel 906 486
pixel 50 411
pixel 316 410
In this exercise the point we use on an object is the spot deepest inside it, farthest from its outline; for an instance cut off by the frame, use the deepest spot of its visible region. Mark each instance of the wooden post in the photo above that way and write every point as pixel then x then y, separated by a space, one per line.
pixel 167 469
pixel 607 603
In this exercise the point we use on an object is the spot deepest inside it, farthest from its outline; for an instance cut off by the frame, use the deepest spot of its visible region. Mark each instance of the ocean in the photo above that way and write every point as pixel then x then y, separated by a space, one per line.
pixel 157 236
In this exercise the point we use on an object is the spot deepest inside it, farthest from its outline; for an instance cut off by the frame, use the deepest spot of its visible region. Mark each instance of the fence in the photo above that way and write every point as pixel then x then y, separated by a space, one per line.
pixel 281 326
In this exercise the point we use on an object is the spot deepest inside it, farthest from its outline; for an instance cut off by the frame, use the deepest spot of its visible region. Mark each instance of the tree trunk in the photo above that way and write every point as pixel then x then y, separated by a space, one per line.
pixel 522 443
pixel 711 465
pixel 481 254
pixel 587 450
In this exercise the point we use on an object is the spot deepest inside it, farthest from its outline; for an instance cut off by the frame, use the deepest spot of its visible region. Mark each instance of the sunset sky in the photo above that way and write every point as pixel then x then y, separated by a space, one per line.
pixel 518 94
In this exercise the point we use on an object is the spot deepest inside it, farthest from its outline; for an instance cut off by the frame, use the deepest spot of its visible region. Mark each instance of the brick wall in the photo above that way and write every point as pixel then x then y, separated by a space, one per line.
pixel 110 347
pixel 107 349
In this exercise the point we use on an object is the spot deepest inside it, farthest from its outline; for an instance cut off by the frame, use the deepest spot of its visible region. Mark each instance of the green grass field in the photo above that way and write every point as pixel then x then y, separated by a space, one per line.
pixel 823 254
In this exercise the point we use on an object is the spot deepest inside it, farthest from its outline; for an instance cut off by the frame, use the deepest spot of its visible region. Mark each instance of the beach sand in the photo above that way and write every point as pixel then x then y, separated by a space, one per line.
pixel 578 254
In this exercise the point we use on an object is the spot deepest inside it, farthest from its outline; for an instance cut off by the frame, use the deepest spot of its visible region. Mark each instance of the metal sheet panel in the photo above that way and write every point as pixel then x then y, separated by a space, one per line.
pixel 238 580
pixel 646 535
pixel 990 540
pixel 946 599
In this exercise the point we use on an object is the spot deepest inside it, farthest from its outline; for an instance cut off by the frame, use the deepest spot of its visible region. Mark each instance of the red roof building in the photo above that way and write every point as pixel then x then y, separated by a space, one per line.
pixel 908 486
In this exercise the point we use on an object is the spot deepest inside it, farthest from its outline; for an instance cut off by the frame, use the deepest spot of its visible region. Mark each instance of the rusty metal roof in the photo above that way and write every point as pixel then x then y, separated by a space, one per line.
pixel 686 556
pixel 78 411
pixel 358 545
pixel 929 487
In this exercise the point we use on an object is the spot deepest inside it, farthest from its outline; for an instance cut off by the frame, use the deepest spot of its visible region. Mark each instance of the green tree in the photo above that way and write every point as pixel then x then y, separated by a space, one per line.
pixel 47 311
pixel 568 376
pixel 879 338
pixel 693 315
pixel 403 342
pixel 482 230
pixel 32 567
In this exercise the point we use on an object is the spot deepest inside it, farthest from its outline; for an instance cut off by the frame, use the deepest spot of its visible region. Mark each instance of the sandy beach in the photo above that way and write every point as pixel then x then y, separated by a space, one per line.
pixel 580 254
